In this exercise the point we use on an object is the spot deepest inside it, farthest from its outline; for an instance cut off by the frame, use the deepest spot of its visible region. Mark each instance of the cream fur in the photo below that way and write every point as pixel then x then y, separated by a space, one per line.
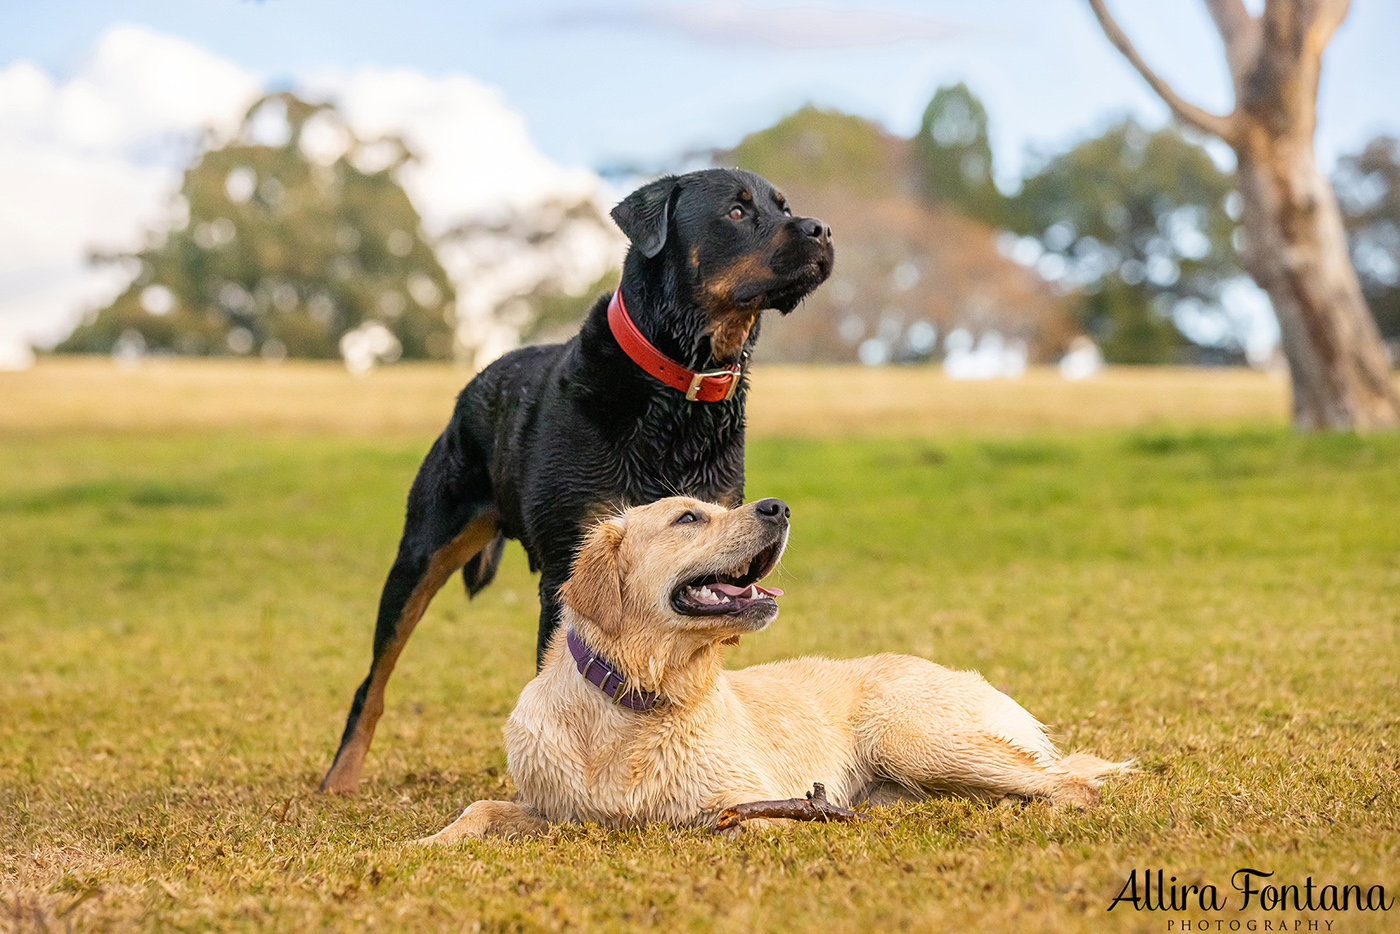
pixel 879 728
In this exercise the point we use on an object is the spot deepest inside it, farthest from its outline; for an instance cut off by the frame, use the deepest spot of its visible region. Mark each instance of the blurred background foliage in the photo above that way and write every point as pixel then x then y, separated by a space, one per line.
pixel 1368 189
pixel 1140 223
pixel 953 156
pixel 910 270
pixel 296 234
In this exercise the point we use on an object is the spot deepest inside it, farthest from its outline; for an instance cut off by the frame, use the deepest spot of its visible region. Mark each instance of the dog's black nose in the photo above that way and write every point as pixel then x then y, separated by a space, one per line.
pixel 816 228
pixel 774 510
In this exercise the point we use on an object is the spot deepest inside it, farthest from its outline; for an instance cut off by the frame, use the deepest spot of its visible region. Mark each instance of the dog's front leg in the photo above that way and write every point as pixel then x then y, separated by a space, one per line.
pixel 489 819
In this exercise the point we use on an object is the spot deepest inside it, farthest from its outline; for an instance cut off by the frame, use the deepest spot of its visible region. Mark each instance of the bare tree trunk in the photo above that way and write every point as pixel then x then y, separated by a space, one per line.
pixel 1295 247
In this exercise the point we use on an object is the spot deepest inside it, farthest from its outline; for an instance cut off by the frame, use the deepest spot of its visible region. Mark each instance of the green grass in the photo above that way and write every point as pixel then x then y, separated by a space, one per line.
pixel 185 617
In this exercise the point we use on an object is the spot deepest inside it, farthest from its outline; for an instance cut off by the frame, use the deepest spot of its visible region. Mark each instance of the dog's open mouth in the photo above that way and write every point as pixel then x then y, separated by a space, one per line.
pixel 731 592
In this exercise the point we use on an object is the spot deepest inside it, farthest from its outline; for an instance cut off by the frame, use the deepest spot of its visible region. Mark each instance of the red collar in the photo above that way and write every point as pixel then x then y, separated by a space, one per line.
pixel 706 386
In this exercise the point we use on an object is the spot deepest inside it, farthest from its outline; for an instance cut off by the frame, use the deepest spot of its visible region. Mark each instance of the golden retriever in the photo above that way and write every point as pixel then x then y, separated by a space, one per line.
pixel 655 595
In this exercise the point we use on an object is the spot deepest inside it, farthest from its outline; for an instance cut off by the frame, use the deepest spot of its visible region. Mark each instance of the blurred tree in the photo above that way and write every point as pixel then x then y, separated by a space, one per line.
pixel 911 270
pixel 297 233
pixel 1138 220
pixel 1368 188
pixel 823 149
pixel 953 155
pixel 529 273
pixel 557 313
pixel 1295 246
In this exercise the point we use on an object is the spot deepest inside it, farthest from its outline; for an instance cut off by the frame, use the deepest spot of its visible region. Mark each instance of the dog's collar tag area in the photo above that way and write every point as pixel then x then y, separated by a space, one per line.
pixel 698 385
pixel 597 672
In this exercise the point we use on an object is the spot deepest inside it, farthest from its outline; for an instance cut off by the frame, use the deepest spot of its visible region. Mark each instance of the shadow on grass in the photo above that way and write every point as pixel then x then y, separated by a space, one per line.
pixel 143 494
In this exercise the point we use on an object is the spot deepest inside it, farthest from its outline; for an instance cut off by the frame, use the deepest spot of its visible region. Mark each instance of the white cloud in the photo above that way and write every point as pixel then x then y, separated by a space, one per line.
pixel 475 159
pixel 474 153
pixel 94 162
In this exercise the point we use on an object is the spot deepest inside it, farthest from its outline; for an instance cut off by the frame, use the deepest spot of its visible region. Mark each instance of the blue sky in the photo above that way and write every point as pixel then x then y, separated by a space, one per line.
pixel 511 101
pixel 606 84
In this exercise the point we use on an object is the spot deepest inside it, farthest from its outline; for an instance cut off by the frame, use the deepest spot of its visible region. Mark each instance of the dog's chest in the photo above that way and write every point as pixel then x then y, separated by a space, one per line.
pixel 687 452
pixel 619 769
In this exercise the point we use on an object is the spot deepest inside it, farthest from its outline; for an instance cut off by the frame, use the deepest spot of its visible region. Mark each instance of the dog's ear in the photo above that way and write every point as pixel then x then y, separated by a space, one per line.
pixel 594 589
pixel 644 214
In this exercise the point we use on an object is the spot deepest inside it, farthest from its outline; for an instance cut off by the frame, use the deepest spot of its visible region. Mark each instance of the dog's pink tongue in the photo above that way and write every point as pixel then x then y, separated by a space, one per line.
pixel 734 590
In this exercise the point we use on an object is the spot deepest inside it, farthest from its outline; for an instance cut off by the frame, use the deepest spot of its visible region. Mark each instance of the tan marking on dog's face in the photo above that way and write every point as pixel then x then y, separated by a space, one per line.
pixel 720 287
pixel 729 323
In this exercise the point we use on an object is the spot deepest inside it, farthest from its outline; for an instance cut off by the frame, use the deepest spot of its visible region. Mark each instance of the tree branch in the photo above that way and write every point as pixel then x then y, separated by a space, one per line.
pixel 1230 16
pixel 1242 35
pixel 813 807
pixel 1221 126
pixel 1325 16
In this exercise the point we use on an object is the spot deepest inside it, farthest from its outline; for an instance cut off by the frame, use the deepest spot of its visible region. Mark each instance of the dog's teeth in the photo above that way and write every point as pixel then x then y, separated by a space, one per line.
pixel 705 595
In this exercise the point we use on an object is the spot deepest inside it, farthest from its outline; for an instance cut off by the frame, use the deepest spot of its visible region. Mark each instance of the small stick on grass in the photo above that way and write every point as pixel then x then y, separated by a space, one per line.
pixel 813 807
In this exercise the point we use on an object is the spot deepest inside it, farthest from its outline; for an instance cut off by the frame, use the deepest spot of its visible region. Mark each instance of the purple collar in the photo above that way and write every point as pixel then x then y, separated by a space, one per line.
pixel 599 673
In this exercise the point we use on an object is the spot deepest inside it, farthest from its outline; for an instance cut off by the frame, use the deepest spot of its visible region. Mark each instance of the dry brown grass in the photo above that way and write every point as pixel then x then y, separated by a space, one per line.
pixel 415 399
pixel 191 554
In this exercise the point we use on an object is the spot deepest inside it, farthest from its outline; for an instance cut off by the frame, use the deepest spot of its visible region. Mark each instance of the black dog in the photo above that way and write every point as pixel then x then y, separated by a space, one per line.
pixel 547 439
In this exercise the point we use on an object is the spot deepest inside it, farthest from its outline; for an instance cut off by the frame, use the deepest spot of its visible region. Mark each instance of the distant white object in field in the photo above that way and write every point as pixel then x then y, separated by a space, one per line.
pixel 129 350
pixel 15 355
pixel 1083 359
pixel 992 357
pixel 873 352
pixel 368 345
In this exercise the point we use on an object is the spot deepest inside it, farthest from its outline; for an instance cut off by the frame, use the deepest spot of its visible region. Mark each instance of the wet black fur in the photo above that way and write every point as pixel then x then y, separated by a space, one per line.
pixel 553 436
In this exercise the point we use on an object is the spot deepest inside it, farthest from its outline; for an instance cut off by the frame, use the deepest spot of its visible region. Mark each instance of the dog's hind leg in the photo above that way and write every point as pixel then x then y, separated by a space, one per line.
pixel 938 730
pixel 450 520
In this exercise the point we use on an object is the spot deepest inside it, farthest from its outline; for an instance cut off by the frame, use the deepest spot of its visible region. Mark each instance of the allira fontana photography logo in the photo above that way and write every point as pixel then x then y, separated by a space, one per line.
pixel 1249 889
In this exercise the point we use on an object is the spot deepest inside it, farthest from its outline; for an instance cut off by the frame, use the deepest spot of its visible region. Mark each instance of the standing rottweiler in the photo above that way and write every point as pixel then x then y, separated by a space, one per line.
pixel 646 402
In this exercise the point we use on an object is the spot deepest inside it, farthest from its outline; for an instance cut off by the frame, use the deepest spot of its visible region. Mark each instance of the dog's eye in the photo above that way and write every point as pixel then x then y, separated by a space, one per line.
pixel 736 214
pixel 685 517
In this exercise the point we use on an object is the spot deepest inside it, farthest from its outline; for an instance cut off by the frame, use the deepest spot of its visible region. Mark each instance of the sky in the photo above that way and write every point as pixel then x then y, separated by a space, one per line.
pixel 637 84
pixel 539 95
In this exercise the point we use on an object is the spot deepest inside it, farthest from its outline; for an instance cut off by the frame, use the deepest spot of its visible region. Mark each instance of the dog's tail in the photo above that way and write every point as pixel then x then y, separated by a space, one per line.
pixel 481 569
pixel 1075 778
pixel 1091 769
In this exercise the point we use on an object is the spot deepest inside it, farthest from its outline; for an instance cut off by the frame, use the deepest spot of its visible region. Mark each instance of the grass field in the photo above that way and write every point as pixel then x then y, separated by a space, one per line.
pixel 190 558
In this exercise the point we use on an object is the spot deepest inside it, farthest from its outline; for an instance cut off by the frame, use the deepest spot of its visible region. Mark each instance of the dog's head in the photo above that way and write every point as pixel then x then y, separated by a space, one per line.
pixel 732 245
pixel 654 587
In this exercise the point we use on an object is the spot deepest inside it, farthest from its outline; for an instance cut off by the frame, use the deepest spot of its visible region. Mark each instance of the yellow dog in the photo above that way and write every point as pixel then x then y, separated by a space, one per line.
pixel 634 719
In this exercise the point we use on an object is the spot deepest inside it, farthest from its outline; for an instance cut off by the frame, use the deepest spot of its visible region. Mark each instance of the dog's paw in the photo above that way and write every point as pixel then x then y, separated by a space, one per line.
pixel 489 819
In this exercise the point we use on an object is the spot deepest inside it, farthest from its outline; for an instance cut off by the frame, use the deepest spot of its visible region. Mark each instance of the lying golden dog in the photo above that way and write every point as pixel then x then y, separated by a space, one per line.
pixel 634 719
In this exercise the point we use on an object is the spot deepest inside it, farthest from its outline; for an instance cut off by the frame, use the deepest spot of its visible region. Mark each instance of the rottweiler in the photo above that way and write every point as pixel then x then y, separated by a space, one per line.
pixel 647 401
